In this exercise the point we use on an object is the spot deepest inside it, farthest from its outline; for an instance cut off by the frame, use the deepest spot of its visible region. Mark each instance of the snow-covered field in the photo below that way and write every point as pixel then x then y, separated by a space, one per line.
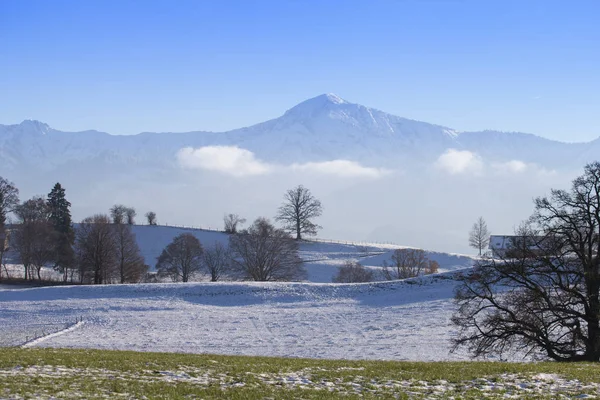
pixel 402 320
pixel 393 320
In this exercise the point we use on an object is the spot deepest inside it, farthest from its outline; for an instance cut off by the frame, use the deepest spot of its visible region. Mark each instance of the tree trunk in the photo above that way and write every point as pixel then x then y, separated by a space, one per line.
pixel 298 230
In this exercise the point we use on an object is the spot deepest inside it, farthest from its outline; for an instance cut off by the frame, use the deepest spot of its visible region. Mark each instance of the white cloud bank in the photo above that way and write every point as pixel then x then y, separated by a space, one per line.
pixel 238 162
pixel 230 160
pixel 341 168
pixel 457 162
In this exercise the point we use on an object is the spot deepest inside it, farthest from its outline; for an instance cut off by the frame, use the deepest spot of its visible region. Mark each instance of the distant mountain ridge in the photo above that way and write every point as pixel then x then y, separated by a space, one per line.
pixel 319 129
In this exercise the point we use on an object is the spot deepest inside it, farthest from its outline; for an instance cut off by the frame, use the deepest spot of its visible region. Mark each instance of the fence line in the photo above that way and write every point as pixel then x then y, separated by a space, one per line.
pixel 319 240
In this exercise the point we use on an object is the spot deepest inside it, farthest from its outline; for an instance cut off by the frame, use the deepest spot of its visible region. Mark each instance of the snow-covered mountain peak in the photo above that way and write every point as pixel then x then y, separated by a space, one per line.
pixel 334 98
pixel 322 103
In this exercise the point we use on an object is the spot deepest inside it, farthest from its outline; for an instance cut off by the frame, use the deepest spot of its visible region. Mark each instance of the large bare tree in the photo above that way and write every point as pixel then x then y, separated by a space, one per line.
pixel 298 210
pixel 33 237
pixel 543 296
pixel 131 264
pixel 217 260
pixel 181 259
pixel 96 250
pixel 479 236
pixel 265 253
pixel 9 199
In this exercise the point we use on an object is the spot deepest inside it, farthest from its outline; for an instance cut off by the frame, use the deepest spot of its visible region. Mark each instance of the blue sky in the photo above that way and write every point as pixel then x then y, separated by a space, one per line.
pixel 131 66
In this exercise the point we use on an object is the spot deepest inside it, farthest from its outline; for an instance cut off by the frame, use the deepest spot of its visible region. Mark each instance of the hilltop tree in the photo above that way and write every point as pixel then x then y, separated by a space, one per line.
pixel 231 222
pixel 118 213
pixel 181 259
pixel 542 297
pixel 9 199
pixel 60 218
pixel 151 217
pixel 130 213
pixel 297 211
pixel 479 237
pixel 265 253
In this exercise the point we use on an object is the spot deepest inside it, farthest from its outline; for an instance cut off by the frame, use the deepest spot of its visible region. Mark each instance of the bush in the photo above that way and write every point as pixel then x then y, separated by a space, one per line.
pixel 353 272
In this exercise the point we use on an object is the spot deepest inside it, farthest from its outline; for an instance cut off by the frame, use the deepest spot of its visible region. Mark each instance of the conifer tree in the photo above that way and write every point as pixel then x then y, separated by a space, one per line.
pixel 60 218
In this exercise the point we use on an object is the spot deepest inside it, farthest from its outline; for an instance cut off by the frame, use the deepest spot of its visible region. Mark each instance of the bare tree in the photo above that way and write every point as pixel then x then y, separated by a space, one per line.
pixel 130 214
pixel 406 263
pixel 542 298
pixel 33 238
pixel 479 237
pixel 96 250
pixel 4 247
pixel 181 259
pixel 216 259
pixel 118 213
pixel 151 217
pixel 232 222
pixel 297 211
pixel 9 199
pixel 265 253
pixel 353 272
pixel 131 264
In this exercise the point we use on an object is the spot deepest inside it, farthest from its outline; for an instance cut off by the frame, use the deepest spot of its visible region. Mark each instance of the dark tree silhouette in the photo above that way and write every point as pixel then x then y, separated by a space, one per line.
pixel 9 199
pixel 217 260
pixel 96 250
pixel 64 234
pixel 298 210
pixel 34 238
pixel 265 253
pixel 542 296
pixel 151 217
pixel 181 259
pixel 232 222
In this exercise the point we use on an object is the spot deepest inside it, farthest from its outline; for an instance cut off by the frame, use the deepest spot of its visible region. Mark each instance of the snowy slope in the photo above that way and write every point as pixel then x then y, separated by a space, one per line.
pixel 396 320
pixel 153 239
pixel 321 259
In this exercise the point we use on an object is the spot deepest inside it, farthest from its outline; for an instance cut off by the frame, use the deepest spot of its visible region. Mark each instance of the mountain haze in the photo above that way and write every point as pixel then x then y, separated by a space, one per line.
pixel 380 176
pixel 322 128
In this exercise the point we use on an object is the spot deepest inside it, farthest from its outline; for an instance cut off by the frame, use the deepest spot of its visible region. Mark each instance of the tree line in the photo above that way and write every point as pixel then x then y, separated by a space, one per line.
pixel 103 249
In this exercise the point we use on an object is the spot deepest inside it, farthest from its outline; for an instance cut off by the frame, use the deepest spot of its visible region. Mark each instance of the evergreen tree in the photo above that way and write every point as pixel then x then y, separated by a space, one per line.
pixel 60 218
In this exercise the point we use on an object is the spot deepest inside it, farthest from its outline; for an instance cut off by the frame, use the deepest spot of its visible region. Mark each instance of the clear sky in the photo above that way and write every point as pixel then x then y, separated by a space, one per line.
pixel 131 66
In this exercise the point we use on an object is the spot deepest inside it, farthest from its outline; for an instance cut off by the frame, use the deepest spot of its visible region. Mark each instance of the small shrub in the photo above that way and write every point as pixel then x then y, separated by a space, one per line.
pixel 353 272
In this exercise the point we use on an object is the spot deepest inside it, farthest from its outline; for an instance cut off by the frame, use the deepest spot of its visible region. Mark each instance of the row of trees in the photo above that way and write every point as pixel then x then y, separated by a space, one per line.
pixel 102 250
pixel 261 252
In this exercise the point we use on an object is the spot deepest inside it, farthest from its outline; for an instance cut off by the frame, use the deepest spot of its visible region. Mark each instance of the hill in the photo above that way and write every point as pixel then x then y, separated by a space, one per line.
pixel 321 259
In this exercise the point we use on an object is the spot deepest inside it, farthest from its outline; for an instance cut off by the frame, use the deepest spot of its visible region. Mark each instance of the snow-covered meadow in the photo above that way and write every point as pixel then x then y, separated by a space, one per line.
pixel 401 320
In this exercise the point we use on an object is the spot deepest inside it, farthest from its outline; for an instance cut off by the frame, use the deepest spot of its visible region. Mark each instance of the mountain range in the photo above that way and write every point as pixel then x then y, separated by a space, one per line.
pixel 379 176
pixel 319 129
